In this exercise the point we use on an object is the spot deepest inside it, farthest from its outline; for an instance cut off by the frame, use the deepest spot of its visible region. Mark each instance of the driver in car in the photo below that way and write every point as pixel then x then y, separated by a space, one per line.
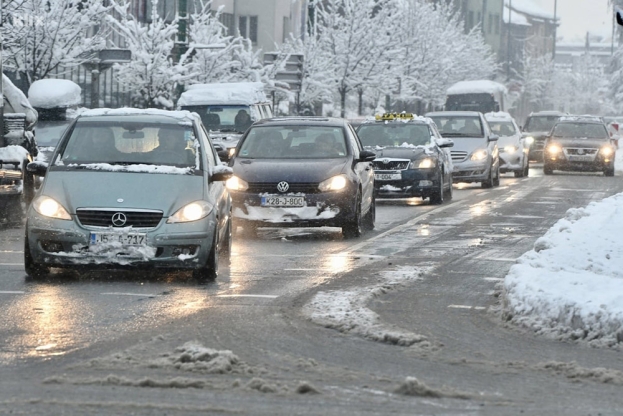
pixel 171 147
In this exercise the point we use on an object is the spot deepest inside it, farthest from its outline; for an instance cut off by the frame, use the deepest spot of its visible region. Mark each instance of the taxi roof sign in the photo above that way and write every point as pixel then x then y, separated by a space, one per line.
pixel 394 116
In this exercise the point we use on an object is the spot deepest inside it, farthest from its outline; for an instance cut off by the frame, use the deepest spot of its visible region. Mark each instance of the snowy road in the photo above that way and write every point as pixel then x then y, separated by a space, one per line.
pixel 405 320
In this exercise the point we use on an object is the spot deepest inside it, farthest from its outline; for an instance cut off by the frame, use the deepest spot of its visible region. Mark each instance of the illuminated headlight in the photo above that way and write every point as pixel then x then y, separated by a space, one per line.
pixel 510 149
pixel 479 155
pixel 529 140
pixel 607 151
pixel 231 152
pixel 191 212
pixel 336 183
pixel 426 163
pixel 554 149
pixel 236 184
pixel 48 207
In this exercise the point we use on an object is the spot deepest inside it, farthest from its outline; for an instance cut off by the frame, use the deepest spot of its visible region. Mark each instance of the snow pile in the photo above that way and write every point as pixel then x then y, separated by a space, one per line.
pixel 52 93
pixel 13 154
pixel 347 311
pixel 571 284
pixel 230 93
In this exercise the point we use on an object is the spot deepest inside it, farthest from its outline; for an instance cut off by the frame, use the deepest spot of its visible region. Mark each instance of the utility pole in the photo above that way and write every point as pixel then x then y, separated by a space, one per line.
pixel 181 46
pixel 555 28
pixel 508 42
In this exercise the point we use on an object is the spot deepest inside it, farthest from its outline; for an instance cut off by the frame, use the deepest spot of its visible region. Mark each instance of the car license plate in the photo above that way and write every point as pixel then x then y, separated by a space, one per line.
pixel 387 176
pixel 585 158
pixel 126 239
pixel 283 201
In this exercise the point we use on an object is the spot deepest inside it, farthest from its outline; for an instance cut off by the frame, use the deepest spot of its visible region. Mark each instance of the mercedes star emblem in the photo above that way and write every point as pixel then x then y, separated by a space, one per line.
pixel 119 219
pixel 283 186
pixel 386 161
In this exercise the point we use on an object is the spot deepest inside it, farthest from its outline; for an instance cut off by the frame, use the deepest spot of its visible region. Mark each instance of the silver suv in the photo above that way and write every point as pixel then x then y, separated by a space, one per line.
pixel 475 152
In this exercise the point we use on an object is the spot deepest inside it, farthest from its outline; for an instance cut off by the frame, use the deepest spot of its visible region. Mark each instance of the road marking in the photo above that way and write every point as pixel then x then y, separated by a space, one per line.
pixel 146 295
pixel 477 308
pixel 12 292
pixel 248 296
pixel 493 279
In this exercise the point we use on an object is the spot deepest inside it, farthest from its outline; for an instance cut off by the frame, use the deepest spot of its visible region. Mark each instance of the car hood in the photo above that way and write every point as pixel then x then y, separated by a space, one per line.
pixel 289 170
pixel 508 141
pixel 410 153
pixel 97 189
pixel 468 144
pixel 576 142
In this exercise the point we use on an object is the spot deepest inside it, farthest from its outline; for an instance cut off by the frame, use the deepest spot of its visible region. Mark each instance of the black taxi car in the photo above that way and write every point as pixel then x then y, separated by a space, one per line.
pixel 579 143
pixel 411 160
pixel 303 172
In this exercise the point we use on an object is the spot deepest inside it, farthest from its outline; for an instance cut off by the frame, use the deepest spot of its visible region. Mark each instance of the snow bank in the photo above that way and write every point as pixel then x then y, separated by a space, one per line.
pixel 232 93
pixel 477 87
pixel 53 93
pixel 571 284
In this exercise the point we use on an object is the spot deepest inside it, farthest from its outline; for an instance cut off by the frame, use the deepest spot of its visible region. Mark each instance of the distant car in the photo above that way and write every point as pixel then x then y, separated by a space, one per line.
pixel 303 172
pixel 535 130
pixel 130 188
pixel 579 143
pixel 411 160
pixel 475 154
pixel 512 145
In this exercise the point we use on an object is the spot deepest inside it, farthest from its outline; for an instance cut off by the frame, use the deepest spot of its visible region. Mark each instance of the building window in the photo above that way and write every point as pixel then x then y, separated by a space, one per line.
pixel 248 27
pixel 227 20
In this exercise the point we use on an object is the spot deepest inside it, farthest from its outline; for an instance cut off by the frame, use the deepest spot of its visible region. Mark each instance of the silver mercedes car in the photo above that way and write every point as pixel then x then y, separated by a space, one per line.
pixel 130 188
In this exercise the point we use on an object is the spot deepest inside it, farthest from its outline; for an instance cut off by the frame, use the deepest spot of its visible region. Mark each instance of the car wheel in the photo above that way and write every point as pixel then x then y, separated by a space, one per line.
pixel 496 181
pixel 29 186
pixel 353 228
pixel 437 196
pixel 34 270
pixel 228 238
pixel 489 182
pixel 526 170
pixel 209 271
pixel 547 170
pixel 370 217
pixel 609 171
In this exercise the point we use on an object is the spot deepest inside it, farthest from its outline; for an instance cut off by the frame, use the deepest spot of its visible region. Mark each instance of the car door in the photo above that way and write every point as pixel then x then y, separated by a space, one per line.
pixel 362 169
pixel 216 190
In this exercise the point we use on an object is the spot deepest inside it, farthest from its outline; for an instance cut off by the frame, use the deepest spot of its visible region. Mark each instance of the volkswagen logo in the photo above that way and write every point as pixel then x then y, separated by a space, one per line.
pixel 119 219
pixel 283 186
pixel 385 161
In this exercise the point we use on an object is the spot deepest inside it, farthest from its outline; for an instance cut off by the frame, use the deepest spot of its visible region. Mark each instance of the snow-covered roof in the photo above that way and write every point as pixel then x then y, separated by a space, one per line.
pixel 237 93
pixel 516 18
pixel 499 116
pixel 477 87
pixel 530 7
pixel 54 93
pixel 181 115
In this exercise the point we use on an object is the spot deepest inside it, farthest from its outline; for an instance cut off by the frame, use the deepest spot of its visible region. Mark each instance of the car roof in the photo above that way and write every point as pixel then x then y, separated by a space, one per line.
pixel 499 116
pixel 302 121
pixel 453 113
pixel 397 118
pixel 155 115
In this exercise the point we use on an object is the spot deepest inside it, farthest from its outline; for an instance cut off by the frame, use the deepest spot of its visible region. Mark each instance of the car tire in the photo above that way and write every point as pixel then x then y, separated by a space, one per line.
pixel 609 171
pixel 489 182
pixel 34 270
pixel 496 181
pixel 209 271
pixel 226 246
pixel 28 192
pixel 353 228
pixel 547 170
pixel 370 217
pixel 526 170
pixel 436 197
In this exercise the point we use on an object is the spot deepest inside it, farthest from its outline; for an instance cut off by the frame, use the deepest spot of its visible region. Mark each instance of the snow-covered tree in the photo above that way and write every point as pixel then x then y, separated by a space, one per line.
pixel 152 75
pixel 43 36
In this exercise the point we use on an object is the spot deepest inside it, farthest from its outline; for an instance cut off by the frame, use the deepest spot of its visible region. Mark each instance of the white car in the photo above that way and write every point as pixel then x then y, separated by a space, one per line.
pixel 514 148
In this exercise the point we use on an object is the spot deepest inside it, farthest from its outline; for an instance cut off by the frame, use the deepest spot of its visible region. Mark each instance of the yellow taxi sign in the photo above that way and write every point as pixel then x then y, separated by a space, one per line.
pixel 394 116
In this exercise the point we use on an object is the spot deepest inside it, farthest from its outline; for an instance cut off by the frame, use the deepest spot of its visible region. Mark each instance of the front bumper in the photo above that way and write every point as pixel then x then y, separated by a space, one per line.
pixel 536 149
pixel 330 209
pixel 412 183
pixel 65 243
pixel 471 171
pixel 512 162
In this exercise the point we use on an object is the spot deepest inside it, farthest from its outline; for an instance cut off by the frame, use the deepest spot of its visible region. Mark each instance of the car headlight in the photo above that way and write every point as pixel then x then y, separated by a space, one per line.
pixel 426 163
pixel 510 149
pixel 191 212
pixel 336 183
pixel 236 184
pixel 49 207
pixel 529 140
pixel 479 155
pixel 554 149
pixel 231 152
pixel 607 151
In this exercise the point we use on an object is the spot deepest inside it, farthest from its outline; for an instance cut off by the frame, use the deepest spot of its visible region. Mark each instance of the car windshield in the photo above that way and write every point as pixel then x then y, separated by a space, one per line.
pixel 232 118
pixel 502 128
pixel 394 134
pixel 130 143
pixel 540 123
pixel 581 130
pixel 294 142
pixel 459 126
pixel 48 133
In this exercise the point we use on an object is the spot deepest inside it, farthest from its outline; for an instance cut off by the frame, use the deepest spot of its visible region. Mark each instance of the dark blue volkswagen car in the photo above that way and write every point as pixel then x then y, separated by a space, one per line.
pixel 303 172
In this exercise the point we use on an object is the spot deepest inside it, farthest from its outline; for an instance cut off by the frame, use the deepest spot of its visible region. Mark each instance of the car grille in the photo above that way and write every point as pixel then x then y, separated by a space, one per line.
pixel 580 151
pixel 390 164
pixel 458 156
pixel 103 218
pixel 295 188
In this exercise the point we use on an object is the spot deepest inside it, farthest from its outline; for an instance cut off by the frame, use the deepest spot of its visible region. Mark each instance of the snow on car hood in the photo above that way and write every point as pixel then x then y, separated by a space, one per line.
pixel 101 189
pixel 289 170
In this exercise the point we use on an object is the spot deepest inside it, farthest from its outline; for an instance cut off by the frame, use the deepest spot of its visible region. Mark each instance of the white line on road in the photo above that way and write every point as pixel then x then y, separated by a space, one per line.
pixel 248 296
pixel 12 292
pixel 146 295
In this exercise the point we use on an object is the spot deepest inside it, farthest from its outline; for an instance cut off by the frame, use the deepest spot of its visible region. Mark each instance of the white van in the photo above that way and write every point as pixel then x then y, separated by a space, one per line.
pixel 227 109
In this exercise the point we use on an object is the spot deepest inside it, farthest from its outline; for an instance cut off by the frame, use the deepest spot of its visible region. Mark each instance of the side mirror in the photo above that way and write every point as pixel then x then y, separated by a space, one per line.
pixel 445 143
pixel 366 156
pixel 37 168
pixel 224 155
pixel 494 138
pixel 221 173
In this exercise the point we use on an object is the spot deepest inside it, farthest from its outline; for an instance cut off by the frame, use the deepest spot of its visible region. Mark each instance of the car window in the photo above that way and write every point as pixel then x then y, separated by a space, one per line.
pixel 540 123
pixel 130 143
pixel 233 118
pixel 581 130
pixel 354 141
pixel 459 126
pixel 293 142
pixel 502 128
pixel 394 134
